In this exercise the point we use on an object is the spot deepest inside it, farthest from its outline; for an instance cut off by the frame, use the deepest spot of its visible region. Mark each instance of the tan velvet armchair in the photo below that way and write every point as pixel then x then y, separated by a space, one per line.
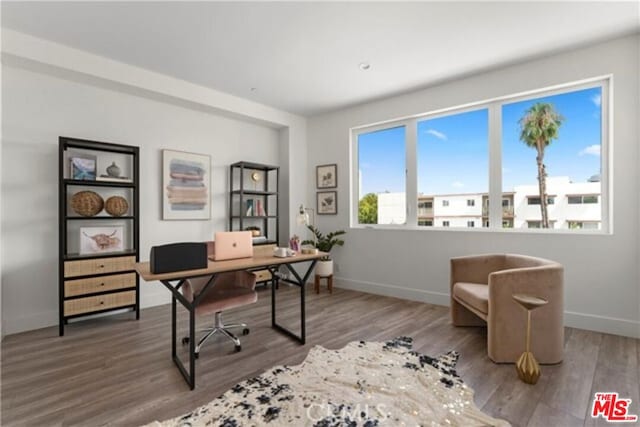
pixel 481 292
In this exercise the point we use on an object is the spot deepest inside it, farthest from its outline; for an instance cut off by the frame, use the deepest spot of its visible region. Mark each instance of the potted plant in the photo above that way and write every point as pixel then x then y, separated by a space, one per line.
pixel 325 243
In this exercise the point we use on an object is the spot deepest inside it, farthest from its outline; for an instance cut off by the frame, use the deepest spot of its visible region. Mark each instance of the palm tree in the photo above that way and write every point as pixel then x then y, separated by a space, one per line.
pixel 538 127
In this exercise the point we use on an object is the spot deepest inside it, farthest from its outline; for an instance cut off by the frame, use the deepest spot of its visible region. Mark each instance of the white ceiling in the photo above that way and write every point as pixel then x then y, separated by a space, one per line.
pixel 303 57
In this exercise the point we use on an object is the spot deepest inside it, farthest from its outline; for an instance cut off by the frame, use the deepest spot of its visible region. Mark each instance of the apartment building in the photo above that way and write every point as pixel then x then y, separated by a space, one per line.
pixel 571 205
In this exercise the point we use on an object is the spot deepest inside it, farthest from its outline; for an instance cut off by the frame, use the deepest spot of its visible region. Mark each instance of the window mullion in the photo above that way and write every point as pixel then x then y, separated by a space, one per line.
pixel 411 138
pixel 495 165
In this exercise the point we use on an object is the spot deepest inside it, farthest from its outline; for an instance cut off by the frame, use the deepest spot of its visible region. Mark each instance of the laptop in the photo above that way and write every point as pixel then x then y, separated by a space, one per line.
pixel 232 245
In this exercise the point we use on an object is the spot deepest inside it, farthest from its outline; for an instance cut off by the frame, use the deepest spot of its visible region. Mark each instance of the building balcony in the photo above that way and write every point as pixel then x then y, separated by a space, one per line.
pixel 507 211
pixel 425 212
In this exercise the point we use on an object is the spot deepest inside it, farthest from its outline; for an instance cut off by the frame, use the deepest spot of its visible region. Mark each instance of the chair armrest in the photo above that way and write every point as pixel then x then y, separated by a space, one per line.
pixel 545 281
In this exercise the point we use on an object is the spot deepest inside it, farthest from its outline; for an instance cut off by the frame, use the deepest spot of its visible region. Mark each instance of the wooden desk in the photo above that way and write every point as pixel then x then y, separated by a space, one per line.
pixel 174 281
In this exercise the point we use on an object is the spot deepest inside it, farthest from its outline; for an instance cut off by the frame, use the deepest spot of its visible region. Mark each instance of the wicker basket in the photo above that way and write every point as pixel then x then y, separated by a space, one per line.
pixel 116 206
pixel 87 203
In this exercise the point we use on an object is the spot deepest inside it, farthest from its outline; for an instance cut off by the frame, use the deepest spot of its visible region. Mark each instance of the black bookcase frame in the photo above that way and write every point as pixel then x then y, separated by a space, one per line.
pixel 238 196
pixel 64 184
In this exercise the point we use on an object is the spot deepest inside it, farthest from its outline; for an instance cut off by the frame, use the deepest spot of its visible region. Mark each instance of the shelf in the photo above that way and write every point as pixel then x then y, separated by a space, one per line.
pixel 253 217
pixel 90 218
pixel 73 257
pixel 255 192
pixel 88 183
pixel 256 166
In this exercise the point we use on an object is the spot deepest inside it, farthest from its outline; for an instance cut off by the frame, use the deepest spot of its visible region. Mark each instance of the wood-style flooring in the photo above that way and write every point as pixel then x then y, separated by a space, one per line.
pixel 119 371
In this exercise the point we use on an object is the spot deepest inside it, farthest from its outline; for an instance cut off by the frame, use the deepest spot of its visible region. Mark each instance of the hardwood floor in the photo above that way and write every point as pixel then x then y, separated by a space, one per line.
pixel 119 371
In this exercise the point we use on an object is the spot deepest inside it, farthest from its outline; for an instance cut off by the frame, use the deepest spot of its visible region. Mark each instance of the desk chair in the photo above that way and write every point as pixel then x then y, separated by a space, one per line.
pixel 229 290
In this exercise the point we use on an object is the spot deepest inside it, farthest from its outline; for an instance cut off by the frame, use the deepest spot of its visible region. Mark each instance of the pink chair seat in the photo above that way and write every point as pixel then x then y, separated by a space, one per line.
pixel 229 290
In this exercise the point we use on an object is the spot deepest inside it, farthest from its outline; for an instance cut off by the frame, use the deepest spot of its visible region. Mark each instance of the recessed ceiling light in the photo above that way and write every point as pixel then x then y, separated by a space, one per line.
pixel 364 66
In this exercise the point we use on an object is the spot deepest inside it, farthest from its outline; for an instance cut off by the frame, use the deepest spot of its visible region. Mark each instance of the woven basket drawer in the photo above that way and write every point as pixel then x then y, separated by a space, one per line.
pixel 262 275
pixel 100 302
pixel 99 284
pixel 87 267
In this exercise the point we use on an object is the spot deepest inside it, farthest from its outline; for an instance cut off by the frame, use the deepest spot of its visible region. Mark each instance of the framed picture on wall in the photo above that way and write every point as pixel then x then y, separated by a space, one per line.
pixel 327 202
pixel 327 176
pixel 186 185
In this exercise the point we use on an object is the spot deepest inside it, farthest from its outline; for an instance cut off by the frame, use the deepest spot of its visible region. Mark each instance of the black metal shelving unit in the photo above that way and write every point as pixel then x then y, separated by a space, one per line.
pixel 90 284
pixel 265 189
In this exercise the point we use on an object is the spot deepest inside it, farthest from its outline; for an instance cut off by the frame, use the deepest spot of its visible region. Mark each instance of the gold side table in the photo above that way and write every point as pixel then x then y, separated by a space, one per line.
pixel 527 366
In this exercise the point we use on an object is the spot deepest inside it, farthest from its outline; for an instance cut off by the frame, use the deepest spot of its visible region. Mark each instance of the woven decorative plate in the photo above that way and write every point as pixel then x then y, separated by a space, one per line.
pixel 87 203
pixel 116 206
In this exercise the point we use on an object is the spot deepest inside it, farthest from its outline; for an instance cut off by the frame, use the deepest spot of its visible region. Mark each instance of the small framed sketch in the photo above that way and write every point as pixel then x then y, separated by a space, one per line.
pixel 327 202
pixel 95 240
pixel 83 167
pixel 327 176
pixel 186 185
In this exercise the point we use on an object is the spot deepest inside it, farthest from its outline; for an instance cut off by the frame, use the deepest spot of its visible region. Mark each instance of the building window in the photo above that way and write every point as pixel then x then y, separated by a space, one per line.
pixel 382 183
pixel 583 225
pixel 531 200
pixel 582 199
pixel 445 223
pixel 449 155
pixel 471 224
pixel 425 222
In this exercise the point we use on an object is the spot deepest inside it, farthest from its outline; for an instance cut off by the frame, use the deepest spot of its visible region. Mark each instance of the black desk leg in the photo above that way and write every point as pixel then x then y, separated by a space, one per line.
pixel 192 346
pixel 173 327
pixel 189 377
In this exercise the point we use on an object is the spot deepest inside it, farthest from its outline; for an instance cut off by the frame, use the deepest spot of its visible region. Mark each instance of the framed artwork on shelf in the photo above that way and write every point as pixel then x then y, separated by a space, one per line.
pixel 83 167
pixel 96 240
pixel 327 176
pixel 327 202
pixel 186 185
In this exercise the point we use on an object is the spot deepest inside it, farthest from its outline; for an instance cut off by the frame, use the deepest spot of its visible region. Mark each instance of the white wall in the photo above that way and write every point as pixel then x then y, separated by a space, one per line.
pixel 38 109
pixel 50 90
pixel 601 274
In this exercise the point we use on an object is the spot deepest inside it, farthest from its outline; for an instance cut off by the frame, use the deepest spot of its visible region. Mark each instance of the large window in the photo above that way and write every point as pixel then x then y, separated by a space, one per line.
pixel 552 144
pixel 381 176
pixel 521 162
pixel 453 160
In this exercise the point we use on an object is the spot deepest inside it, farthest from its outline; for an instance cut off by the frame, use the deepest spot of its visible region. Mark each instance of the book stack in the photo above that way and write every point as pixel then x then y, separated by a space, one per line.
pixel 255 208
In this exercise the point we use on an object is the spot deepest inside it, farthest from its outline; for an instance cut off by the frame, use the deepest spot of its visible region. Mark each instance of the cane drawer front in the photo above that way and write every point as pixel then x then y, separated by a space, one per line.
pixel 91 285
pixel 262 275
pixel 98 266
pixel 100 302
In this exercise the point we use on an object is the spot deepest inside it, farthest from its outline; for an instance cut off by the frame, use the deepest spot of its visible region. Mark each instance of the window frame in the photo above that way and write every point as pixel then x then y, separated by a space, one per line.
pixel 494 107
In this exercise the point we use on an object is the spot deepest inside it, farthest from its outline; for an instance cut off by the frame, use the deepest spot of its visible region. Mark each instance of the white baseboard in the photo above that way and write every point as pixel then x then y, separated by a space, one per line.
pixel 609 325
pixel 437 298
pixel 591 322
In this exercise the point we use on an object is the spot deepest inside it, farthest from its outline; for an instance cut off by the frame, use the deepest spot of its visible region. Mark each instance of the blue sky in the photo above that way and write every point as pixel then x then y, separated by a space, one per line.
pixel 453 150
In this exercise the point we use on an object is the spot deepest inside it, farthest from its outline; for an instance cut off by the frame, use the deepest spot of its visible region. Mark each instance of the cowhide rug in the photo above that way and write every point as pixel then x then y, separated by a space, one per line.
pixel 363 384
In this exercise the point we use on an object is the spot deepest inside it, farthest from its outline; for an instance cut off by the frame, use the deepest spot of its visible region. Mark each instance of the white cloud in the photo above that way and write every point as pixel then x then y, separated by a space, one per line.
pixel 597 100
pixel 457 184
pixel 593 150
pixel 437 134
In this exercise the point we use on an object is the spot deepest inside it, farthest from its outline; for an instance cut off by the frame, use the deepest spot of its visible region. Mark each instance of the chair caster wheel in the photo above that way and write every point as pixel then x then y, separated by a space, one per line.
pixel 238 348
pixel 245 331
pixel 196 355
pixel 185 340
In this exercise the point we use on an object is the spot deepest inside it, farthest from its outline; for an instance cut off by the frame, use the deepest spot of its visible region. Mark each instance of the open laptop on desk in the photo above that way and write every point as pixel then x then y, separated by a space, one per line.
pixel 232 245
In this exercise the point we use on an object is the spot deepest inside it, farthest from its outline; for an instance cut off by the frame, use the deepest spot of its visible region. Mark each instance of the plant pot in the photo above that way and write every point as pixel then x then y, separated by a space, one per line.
pixel 324 268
